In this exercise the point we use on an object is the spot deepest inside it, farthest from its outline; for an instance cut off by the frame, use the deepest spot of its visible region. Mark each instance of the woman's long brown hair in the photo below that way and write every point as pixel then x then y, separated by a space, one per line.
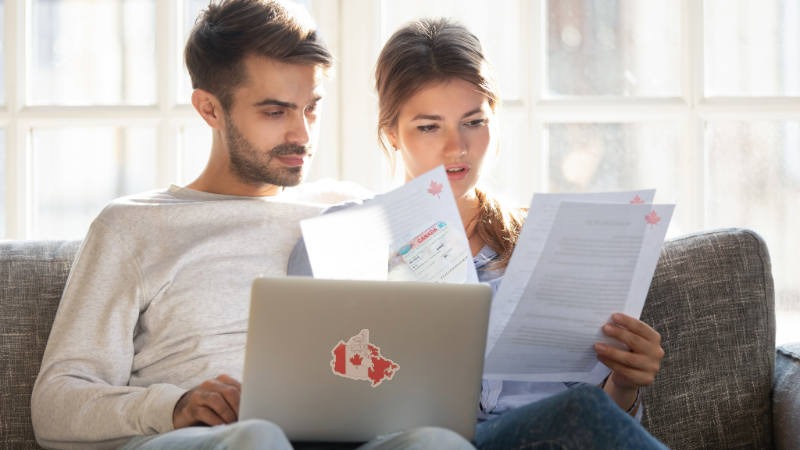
pixel 428 52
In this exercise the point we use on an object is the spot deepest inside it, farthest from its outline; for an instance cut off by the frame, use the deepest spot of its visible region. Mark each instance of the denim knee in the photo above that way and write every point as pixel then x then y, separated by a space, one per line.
pixel 256 434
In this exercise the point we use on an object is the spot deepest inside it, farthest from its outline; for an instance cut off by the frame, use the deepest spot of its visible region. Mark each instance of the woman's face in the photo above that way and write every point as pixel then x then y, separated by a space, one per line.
pixel 447 124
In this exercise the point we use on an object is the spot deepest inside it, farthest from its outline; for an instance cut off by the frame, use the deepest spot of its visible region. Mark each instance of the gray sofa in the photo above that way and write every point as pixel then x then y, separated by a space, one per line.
pixel 712 300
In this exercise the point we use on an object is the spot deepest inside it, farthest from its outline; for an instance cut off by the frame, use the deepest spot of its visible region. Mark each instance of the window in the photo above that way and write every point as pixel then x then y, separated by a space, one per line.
pixel 700 99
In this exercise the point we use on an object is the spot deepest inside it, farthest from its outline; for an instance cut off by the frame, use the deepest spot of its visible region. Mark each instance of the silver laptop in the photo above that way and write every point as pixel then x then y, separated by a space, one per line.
pixel 330 360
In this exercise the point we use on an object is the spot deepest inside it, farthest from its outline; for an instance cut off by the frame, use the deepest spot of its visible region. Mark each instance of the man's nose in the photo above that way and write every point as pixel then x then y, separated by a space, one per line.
pixel 454 146
pixel 299 131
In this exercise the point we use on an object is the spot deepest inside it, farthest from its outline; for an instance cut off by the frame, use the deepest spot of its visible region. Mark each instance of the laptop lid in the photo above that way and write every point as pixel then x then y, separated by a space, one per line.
pixel 334 360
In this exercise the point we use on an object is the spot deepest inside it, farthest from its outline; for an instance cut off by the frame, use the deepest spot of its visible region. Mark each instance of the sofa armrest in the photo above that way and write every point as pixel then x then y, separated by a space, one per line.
pixel 786 397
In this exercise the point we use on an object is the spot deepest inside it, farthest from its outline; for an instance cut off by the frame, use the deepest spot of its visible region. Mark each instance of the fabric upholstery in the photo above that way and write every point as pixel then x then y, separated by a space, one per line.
pixel 32 276
pixel 712 301
pixel 786 397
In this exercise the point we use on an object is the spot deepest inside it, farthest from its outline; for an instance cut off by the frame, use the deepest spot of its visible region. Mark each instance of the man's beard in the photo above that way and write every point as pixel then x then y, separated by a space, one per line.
pixel 254 167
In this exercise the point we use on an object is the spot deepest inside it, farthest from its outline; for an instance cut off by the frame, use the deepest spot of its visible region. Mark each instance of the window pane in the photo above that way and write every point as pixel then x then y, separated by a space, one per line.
pixel 2 56
pixel 77 171
pixel 628 48
pixel 2 184
pixel 754 181
pixel 498 28
pixel 617 157
pixel 752 47
pixel 196 148
pixel 93 52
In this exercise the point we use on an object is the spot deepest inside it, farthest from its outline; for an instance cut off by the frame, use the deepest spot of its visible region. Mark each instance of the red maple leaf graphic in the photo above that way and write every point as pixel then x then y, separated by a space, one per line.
pixel 637 200
pixel 356 360
pixel 435 189
pixel 652 219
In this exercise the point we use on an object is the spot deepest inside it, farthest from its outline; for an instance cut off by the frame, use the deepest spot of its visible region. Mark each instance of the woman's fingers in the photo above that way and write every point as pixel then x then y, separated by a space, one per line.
pixel 637 327
pixel 635 377
pixel 626 358
pixel 636 342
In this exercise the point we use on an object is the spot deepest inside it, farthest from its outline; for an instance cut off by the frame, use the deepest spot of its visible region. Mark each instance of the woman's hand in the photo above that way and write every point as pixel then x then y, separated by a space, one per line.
pixel 634 368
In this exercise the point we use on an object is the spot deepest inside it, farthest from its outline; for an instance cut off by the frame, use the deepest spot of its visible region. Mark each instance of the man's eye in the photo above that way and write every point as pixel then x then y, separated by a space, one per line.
pixel 273 113
pixel 312 108
pixel 427 128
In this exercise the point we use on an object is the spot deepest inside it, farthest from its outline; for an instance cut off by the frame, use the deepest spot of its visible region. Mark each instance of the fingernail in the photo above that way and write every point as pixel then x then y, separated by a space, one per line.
pixel 600 348
pixel 608 329
pixel 617 318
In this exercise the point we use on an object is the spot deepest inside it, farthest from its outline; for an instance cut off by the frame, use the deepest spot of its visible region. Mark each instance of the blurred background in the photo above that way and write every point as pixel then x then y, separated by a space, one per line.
pixel 699 99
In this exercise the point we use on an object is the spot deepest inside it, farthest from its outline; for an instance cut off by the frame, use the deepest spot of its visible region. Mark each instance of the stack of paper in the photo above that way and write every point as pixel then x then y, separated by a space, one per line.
pixel 579 259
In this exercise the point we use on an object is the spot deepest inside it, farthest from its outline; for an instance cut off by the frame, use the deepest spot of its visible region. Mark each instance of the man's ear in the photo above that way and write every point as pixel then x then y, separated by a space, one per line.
pixel 209 108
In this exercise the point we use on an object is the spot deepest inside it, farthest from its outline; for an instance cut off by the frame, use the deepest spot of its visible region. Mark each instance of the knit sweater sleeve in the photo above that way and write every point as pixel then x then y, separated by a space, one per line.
pixel 81 398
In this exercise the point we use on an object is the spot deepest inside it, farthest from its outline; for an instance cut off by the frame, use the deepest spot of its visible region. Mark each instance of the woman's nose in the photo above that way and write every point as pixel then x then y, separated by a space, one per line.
pixel 454 146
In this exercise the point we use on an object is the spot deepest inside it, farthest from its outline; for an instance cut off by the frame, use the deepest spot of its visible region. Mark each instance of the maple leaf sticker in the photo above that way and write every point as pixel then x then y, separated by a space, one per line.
pixel 435 189
pixel 652 219
pixel 356 360
pixel 637 200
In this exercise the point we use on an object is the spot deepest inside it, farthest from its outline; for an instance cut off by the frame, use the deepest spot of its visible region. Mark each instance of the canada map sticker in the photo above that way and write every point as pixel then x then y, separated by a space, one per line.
pixel 360 360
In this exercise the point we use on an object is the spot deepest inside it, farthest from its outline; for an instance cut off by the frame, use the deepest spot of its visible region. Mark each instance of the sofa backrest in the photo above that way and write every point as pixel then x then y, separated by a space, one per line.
pixel 32 277
pixel 712 301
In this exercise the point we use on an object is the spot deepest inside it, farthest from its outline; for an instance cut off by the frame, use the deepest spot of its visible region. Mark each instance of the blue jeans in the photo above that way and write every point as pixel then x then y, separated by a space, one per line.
pixel 263 435
pixel 580 418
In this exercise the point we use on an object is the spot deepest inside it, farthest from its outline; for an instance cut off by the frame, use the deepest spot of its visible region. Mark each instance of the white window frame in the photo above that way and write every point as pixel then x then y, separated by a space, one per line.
pixel 354 31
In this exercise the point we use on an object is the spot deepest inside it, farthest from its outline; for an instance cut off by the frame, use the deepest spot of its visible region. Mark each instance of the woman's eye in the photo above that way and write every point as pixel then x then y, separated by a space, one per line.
pixel 426 128
pixel 476 123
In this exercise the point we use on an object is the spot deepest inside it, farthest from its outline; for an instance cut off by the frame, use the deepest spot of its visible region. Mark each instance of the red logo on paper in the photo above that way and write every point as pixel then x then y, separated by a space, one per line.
pixel 435 189
pixel 652 219
pixel 359 360
pixel 637 200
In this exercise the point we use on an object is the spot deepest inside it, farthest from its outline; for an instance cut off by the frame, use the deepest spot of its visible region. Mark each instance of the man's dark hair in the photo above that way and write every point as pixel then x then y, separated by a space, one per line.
pixel 229 31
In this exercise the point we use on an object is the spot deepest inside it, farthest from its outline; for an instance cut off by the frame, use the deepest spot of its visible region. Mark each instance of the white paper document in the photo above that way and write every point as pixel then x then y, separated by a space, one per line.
pixel 413 233
pixel 596 259
pixel 529 246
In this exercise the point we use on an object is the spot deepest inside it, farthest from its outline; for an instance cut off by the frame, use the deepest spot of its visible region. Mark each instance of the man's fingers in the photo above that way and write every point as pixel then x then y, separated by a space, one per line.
pixel 217 403
pixel 205 415
pixel 629 359
pixel 229 392
pixel 226 379
pixel 637 327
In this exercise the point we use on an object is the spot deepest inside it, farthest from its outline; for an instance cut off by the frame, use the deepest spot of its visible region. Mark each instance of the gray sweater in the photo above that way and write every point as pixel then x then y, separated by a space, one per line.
pixel 156 303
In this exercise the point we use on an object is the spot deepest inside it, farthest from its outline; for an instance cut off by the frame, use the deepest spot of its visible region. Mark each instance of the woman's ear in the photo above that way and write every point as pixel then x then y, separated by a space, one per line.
pixel 209 108
pixel 391 134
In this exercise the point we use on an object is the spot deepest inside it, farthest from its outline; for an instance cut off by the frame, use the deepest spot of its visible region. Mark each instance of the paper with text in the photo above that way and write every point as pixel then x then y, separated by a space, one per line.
pixel 597 259
pixel 418 224
pixel 529 246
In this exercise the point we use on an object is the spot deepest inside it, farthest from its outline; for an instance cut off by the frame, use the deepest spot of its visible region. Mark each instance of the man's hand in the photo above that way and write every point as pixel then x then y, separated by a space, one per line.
pixel 215 402
pixel 634 368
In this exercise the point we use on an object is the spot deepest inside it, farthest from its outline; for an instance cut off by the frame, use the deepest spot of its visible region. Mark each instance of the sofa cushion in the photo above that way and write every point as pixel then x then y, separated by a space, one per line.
pixel 712 300
pixel 32 276
pixel 786 397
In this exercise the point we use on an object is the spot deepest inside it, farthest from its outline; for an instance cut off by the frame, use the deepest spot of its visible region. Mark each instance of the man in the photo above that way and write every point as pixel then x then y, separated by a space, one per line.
pixel 148 344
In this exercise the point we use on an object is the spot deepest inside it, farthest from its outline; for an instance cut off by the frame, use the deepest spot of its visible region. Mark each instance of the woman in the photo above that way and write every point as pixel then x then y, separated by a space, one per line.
pixel 439 105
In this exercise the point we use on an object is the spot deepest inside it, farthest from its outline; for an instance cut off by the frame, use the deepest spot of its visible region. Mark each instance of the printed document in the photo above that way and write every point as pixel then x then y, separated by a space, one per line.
pixel 413 233
pixel 597 259
pixel 529 246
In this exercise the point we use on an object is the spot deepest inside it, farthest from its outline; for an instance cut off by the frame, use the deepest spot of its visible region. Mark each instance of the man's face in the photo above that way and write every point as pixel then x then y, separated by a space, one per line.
pixel 271 128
